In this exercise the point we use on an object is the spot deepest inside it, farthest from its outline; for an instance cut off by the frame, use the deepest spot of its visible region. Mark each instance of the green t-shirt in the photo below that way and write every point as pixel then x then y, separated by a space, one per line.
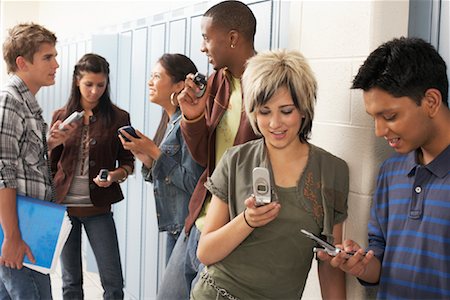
pixel 274 260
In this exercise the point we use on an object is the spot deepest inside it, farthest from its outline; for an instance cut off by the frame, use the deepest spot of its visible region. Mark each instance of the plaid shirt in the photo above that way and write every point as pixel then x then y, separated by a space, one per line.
pixel 23 155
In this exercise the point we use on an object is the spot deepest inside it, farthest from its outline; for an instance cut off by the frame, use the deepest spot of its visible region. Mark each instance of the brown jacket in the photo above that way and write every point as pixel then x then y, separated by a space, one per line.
pixel 200 137
pixel 105 150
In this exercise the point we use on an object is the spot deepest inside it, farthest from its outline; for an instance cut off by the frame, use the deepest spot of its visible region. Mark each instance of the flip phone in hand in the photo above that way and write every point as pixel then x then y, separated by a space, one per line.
pixel 72 118
pixel 325 246
pixel 261 186
pixel 200 81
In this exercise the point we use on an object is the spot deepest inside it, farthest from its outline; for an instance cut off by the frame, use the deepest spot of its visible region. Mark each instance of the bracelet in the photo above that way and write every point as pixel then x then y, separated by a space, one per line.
pixel 245 219
pixel 193 120
pixel 124 177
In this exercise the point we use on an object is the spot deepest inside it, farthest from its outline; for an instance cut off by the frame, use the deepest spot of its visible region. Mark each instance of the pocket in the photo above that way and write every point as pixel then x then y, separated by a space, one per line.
pixel 34 149
pixel 170 150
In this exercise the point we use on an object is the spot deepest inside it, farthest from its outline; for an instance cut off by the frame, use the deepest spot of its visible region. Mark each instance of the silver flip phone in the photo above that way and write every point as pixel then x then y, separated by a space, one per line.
pixel 72 118
pixel 325 246
pixel 261 186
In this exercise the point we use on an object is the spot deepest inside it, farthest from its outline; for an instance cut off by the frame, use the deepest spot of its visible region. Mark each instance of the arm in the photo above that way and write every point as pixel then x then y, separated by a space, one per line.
pixel 220 236
pixel 124 158
pixel 332 280
pixel 143 148
pixel 13 248
pixel 58 137
pixel 365 266
pixel 193 125
pixel 184 174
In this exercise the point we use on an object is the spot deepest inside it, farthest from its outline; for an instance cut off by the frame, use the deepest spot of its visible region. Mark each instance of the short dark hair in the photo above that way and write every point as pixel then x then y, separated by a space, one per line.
pixel 404 67
pixel 233 15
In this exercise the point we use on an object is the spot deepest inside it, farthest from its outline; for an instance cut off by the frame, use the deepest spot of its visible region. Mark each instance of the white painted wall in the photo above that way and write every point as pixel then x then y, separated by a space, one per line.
pixel 336 37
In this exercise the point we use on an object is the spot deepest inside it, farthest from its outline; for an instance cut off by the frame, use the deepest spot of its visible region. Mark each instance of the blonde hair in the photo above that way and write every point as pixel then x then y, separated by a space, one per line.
pixel 268 71
pixel 25 40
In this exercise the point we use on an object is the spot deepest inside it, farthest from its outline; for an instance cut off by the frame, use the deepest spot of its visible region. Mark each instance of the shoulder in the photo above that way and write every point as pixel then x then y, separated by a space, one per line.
pixel 217 78
pixel 247 148
pixel 251 151
pixel 11 101
pixel 328 160
pixel 10 92
pixel 119 112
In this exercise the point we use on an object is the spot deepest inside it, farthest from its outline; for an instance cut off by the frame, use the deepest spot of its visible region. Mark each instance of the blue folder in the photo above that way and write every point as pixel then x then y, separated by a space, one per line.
pixel 42 225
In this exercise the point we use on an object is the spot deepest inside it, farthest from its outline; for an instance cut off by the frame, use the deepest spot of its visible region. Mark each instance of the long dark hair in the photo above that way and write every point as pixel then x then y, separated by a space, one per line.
pixel 91 63
pixel 177 67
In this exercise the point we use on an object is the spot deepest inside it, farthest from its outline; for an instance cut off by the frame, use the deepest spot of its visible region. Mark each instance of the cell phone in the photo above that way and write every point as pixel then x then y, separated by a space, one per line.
pixel 200 81
pixel 75 116
pixel 325 246
pixel 103 175
pixel 130 130
pixel 261 186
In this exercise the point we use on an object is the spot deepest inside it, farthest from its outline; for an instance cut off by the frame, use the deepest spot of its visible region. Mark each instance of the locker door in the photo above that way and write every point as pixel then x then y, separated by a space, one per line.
pixel 134 196
pixel 105 45
pixel 123 96
pixel 195 42
pixel 177 36
pixel 263 15
pixel 65 73
pixel 153 242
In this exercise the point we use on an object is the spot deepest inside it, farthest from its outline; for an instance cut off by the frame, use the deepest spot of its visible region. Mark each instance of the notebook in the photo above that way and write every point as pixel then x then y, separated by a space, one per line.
pixel 45 227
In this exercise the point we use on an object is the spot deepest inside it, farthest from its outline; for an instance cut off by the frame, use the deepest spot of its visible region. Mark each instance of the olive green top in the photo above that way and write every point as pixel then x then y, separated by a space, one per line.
pixel 274 260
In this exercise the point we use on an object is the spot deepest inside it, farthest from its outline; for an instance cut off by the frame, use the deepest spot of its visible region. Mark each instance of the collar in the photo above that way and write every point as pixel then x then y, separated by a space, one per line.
pixel 440 166
pixel 176 116
pixel 27 96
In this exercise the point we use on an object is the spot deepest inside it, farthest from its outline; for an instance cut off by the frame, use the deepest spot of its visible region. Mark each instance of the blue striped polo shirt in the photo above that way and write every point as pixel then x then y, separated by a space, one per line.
pixel 409 227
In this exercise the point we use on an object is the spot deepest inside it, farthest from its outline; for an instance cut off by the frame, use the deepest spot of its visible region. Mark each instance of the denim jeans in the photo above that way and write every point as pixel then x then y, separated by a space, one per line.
pixel 183 261
pixel 102 235
pixel 24 284
pixel 170 243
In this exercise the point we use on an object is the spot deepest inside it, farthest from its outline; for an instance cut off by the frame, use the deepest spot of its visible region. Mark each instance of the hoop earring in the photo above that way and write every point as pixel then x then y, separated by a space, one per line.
pixel 172 99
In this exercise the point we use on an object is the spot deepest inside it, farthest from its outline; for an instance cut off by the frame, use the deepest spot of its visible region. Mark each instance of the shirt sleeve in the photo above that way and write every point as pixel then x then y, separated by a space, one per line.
pixel 378 212
pixel 218 183
pixel 11 130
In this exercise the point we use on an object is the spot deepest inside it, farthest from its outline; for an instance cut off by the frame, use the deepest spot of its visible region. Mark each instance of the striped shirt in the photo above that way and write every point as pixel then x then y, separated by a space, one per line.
pixel 409 228
pixel 23 163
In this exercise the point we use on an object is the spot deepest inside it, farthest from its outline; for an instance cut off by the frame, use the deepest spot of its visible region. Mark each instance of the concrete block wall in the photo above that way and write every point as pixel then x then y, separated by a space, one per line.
pixel 336 37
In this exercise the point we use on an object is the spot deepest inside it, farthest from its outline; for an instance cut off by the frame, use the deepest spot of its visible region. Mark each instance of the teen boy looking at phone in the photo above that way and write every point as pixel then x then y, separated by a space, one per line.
pixel 405 88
